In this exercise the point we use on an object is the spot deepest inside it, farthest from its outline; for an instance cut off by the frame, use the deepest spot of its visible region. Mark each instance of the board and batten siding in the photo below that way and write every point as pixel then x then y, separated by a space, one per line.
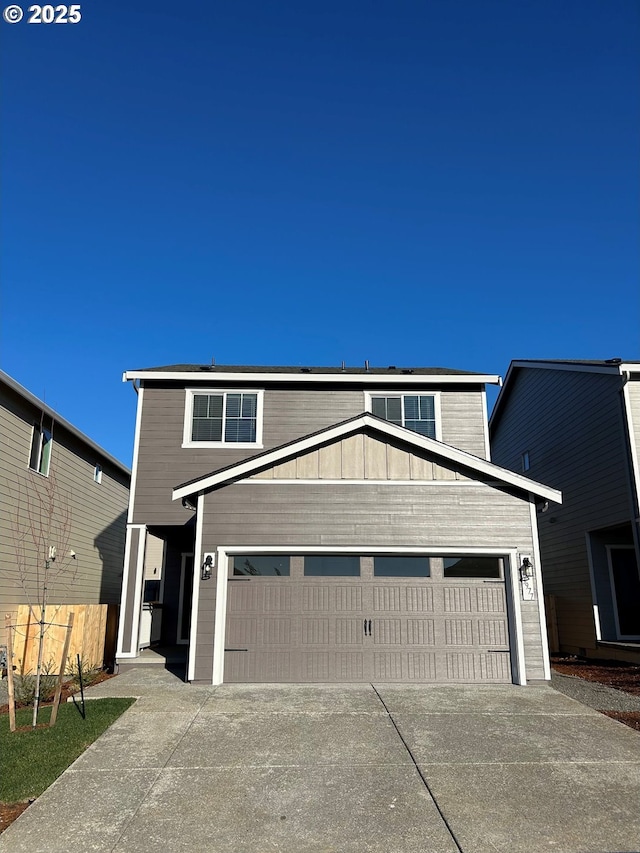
pixel 362 456
pixel 97 513
pixel 571 425
pixel 289 413
pixel 333 516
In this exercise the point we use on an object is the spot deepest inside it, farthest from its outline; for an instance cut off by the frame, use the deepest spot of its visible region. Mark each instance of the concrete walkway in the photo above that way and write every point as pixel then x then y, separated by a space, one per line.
pixel 350 769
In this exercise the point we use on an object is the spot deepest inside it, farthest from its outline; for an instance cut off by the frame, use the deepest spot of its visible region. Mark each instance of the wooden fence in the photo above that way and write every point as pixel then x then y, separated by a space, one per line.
pixel 90 629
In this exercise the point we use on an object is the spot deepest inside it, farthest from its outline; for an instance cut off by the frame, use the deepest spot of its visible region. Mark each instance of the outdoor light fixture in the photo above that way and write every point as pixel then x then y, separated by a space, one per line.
pixel 207 567
pixel 526 569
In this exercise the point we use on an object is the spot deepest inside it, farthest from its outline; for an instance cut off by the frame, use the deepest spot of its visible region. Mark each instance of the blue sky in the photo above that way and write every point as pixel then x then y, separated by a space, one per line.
pixel 439 182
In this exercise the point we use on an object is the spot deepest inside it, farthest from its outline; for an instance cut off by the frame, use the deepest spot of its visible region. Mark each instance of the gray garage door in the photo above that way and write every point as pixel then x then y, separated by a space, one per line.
pixel 332 618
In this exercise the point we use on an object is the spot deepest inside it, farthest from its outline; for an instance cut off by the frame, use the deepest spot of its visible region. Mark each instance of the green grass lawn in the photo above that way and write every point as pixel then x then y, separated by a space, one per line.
pixel 31 760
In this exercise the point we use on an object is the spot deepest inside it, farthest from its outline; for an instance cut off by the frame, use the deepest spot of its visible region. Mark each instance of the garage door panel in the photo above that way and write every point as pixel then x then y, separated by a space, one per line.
pixel 436 630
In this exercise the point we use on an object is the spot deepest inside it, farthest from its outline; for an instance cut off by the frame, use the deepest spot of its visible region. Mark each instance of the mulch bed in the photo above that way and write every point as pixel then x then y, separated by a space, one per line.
pixel 610 673
pixel 10 811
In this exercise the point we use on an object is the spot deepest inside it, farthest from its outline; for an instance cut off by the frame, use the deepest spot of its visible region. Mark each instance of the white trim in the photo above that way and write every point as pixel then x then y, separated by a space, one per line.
pixel 516 630
pixel 592 580
pixel 629 367
pixel 367 550
pixel 240 445
pixel 437 409
pixel 183 559
pixel 125 585
pixel 537 568
pixel 609 549
pixel 195 593
pixel 453 454
pixel 220 629
pixel 485 426
pixel 250 481
pixel 306 378
pixel 137 595
pixel 136 449
pixel 631 438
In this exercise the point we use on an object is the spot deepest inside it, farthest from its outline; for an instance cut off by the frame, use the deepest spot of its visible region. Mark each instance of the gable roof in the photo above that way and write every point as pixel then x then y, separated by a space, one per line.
pixel 359 423
pixel 60 421
pixel 612 366
pixel 243 373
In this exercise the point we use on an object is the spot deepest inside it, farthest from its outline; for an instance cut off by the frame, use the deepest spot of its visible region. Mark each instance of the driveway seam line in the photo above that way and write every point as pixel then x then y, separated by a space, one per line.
pixel 420 773
pixel 158 770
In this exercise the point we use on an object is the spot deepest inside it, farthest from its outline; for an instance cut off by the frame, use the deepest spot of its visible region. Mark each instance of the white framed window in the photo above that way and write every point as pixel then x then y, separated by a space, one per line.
pixel 525 461
pixel 215 418
pixel 97 474
pixel 41 444
pixel 417 412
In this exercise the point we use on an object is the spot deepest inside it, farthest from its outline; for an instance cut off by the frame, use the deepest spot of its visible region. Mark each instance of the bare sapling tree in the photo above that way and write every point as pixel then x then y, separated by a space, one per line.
pixel 44 560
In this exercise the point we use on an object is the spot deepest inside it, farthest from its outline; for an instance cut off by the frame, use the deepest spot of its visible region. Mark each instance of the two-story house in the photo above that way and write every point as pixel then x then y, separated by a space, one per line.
pixel 576 425
pixel 60 490
pixel 330 524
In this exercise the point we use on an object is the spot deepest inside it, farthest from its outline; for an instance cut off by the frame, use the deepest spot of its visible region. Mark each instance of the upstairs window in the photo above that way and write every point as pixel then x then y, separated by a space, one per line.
pixel 41 441
pixel 219 418
pixel 97 474
pixel 417 412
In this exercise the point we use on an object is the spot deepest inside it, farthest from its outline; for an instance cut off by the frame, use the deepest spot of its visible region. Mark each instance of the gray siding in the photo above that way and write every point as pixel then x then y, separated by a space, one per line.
pixel 97 513
pixel 308 514
pixel 571 424
pixel 289 413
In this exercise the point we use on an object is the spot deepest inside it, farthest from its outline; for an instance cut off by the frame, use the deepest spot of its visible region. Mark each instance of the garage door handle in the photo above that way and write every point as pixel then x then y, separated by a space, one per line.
pixel 367 627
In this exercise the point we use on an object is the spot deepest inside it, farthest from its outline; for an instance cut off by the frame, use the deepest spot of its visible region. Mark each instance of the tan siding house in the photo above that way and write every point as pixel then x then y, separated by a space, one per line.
pixel 63 490
pixel 329 524
pixel 574 425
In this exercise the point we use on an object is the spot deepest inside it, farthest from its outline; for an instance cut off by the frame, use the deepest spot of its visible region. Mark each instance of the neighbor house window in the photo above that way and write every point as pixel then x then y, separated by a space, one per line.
pixel 40 455
pixel 416 412
pixel 223 417
pixel 97 474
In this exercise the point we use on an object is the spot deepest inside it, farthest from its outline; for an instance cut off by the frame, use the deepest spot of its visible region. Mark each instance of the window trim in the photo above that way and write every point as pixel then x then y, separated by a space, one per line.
pixel 37 434
pixel 437 410
pixel 190 393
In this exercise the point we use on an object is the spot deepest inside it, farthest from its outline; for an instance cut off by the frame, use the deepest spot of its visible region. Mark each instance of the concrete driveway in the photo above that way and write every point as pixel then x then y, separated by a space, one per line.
pixel 394 769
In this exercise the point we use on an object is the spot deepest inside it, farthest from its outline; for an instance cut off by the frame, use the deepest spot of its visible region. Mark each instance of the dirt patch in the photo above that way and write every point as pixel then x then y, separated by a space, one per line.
pixel 68 689
pixel 611 673
pixel 629 718
pixel 10 811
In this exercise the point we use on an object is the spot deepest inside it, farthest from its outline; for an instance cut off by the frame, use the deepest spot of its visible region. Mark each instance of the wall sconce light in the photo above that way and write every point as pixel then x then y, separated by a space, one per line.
pixel 207 567
pixel 526 569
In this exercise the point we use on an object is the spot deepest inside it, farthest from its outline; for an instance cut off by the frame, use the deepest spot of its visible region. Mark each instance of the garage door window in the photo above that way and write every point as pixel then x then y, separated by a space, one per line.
pixel 472 567
pixel 331 565
pixel 269 565
pixel 399 566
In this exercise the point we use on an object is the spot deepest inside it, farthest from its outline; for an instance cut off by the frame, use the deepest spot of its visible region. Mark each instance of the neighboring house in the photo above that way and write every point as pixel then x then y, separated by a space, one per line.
pixel 576 426
pixel 43 458
pixel 326 524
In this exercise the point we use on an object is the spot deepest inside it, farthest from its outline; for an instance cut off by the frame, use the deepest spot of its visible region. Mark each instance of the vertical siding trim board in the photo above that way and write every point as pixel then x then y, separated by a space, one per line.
pixel 195 595
pixel 485 427
pixel 542 613
pixel 221 616
pixel 594 594
pixel 137 600
pixel 516 631
pixel 125 590
pixel 635 464
pixel 136 447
